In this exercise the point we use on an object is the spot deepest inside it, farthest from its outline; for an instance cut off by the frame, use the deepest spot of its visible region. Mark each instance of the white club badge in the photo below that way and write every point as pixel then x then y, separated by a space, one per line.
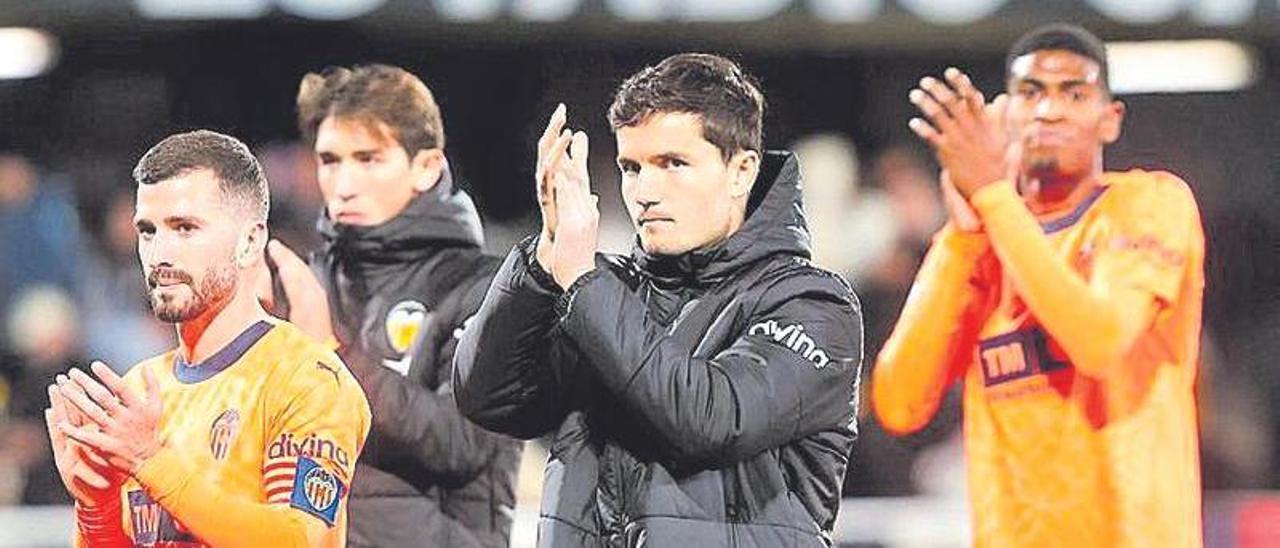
pixel 404 321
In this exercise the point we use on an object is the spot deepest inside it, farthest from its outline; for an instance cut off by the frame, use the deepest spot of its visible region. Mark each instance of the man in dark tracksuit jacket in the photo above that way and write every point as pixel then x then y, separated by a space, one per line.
pixel 401 271
pixel 427 477
pixel 704 399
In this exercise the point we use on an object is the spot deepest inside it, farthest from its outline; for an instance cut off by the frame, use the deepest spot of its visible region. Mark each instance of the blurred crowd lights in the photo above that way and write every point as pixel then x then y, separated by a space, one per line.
pixel 1160 66
pixel 26 52
pixel 1214 13
pixel 1186 66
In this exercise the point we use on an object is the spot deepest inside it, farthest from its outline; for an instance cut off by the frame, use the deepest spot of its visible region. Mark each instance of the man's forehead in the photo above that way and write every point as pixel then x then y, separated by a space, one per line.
pixel 363 132
pixel 1055 65
pixel 662 130
pixel 190 192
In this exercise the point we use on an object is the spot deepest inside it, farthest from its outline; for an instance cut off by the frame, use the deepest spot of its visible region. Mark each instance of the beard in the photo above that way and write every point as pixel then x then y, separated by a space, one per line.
pixel 1041 165
pixel 214 290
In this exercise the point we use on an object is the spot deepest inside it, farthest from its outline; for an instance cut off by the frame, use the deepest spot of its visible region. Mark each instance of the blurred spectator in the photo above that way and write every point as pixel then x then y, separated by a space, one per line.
pixel 43 326
pixel 295 194
pixel 119 327
pixel 931 461
pixel 853 227
pixel 876 236
pixel 909 184
pixel 1236 446
pixel 38 224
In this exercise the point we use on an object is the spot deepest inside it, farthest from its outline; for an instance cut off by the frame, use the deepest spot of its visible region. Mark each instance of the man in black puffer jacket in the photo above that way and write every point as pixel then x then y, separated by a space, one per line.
pixel 400 273
pixel 703 390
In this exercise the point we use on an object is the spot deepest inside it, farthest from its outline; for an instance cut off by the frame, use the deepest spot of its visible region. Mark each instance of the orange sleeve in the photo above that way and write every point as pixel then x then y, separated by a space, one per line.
pixel 1096 320
pixel 323 403
pixel 216 517
pixel 101 527
pixel 927 348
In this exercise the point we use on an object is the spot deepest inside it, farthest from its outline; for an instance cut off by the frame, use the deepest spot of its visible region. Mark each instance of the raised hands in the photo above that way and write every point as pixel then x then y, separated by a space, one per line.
pixel 570 216
pixel 85 472
pixel 552 145
pixel 969 136
pixel 118 426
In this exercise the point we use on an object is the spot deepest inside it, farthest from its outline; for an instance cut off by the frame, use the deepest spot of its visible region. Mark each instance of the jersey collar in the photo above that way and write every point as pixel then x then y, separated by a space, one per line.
pixel 222 359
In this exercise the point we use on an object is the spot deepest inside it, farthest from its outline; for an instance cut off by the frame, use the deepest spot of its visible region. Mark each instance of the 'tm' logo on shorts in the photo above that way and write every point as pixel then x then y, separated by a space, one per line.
pixel 794 338
pixel 155 526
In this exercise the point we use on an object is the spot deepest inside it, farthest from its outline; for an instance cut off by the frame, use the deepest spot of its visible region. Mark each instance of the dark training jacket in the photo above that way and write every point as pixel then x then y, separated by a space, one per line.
pixel 704 400
pixel 400 293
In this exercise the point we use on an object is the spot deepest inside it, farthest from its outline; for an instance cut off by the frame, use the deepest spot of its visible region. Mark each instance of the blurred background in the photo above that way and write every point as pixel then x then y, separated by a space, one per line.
pixel 86 86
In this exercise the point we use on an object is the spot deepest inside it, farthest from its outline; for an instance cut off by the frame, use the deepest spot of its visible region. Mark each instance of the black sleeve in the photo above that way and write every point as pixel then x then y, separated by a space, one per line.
pixel 509 371
pixel 415 422
pixel 791 373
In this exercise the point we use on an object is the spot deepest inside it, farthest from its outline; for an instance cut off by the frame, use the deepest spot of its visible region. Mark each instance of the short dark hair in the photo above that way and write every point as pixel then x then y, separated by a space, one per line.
pixel 716 89
pixel 239 174
pixel 373 93
pixel 1062 36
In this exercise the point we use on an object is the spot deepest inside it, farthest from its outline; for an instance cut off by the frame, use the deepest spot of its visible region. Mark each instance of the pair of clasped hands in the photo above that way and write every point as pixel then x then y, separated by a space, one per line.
pixel 570 212
pixel 101 431
pixel 970 138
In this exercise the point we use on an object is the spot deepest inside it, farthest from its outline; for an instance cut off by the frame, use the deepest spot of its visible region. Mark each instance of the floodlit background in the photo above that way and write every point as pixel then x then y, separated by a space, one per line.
pixel 86 86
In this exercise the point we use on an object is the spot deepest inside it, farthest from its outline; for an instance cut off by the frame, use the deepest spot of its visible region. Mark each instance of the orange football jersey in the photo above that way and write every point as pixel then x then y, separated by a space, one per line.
pixel 274 420
pixel 1056 457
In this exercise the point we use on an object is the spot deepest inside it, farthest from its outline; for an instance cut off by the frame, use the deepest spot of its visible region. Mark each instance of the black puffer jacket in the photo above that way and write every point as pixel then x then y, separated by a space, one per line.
pixel 705 400
pixel 400 293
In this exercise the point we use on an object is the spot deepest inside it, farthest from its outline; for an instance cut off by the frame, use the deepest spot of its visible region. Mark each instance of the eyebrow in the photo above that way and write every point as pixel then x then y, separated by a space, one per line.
pixel 352 153
pixel 179 219
pixel 667 156
pixel 170 220
pixel 1065 84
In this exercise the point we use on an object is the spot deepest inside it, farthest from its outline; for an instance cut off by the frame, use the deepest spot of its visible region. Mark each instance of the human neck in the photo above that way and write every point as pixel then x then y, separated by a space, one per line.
pixel 735 224
pixel 204 336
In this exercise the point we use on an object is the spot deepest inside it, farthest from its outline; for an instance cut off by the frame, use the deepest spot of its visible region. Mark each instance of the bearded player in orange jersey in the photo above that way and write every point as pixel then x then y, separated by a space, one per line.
pixel 247 434
pixel 1066 299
